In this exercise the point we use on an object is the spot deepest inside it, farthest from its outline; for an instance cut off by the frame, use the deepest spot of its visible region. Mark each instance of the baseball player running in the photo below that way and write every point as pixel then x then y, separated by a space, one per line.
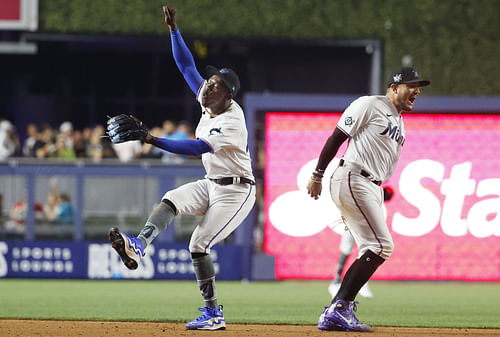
pixel 224 197
pixel 375 129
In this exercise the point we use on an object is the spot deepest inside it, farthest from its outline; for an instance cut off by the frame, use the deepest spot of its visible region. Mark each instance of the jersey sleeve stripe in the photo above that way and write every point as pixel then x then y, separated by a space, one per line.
pixel 344 131
pixel 199 89
pixel 206 142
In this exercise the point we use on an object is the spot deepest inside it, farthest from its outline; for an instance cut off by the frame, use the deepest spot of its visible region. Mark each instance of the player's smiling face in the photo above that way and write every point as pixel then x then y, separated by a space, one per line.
pixel 406 96
pixel 216 93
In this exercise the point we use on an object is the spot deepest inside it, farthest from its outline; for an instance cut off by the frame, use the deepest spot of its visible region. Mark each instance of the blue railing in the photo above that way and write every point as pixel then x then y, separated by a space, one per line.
pixel 165 175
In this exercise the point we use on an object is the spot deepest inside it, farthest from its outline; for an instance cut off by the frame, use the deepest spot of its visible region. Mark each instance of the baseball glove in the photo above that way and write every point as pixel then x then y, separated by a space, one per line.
pixel 124 128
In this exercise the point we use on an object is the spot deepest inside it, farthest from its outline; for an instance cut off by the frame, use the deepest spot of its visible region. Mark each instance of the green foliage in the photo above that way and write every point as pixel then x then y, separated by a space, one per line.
pixel 454 43
pixel 410 304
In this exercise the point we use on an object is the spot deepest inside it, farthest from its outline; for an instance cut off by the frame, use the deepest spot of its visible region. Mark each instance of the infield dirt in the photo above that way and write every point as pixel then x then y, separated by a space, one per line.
pixel 38 328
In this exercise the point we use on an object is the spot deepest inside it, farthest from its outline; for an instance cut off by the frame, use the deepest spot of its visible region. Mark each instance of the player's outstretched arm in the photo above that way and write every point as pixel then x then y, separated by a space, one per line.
pixel 182 56
pixel 188 147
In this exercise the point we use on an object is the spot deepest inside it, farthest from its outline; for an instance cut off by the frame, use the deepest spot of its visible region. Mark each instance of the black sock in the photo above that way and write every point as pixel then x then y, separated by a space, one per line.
pixel 358 274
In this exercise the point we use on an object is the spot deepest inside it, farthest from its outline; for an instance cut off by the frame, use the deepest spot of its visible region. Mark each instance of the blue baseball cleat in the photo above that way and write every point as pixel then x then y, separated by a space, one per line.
pixel 339 316
pixel 210 319
pixel 128 247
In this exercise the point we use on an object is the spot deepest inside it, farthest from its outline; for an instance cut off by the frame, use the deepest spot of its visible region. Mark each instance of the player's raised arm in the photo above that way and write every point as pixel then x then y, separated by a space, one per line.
pixel 182 56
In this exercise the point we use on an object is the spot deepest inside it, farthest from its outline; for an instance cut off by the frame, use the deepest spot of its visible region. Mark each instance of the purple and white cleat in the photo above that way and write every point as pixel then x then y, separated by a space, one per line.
pixel 339 316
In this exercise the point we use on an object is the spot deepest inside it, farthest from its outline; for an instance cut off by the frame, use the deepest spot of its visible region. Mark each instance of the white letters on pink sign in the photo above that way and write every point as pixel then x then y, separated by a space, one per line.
pixel 417 195
pixel 455 189
pixel 479 221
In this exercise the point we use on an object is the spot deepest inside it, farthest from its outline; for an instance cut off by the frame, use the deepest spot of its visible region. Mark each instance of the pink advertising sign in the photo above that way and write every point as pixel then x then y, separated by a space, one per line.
pixel 444 216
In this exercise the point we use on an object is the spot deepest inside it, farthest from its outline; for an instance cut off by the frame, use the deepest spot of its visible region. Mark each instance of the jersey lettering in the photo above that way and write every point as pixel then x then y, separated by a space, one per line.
pixel 394 133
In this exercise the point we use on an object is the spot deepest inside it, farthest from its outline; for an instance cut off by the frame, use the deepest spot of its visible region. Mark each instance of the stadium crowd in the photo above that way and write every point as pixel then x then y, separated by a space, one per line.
pixel 65 142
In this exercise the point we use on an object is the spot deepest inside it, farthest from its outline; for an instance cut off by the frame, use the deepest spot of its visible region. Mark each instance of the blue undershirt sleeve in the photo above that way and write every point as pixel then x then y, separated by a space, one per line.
pixel 189 147
pixel 185 62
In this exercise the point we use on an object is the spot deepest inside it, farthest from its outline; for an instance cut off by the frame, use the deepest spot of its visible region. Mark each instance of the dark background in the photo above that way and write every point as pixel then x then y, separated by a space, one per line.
pixel 84 78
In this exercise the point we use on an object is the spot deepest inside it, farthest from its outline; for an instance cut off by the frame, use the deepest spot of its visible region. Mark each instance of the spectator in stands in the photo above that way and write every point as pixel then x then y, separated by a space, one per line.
pixel 99 147
pixel 9 141
pixel 185 130
pixel 29 143
pixel 62 151
pixel 64 210
pixel 49 209
pixel 86 135
pixel 45 144
pixel 58 208
pixel 79 144
pixel 107 148
pixel 170 132
pixel 128 151
pixel 66 131
pixel 17 221
pixel 168 128
pixel 150 151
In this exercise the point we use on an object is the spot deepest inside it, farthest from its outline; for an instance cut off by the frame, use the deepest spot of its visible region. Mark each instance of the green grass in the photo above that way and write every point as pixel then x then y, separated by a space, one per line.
pixel 411 304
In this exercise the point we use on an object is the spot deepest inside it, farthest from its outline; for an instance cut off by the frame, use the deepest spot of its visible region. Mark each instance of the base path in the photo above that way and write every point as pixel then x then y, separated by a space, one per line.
pixel 35 328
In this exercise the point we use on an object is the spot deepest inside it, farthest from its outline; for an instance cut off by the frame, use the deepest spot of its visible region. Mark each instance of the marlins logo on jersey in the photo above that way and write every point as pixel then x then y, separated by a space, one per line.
pixel 394 133
pixel 214 131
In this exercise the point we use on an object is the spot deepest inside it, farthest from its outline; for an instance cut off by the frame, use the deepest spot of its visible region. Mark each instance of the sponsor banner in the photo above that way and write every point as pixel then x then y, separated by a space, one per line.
pixel 99 261
pixel 42 259
pixel 444 216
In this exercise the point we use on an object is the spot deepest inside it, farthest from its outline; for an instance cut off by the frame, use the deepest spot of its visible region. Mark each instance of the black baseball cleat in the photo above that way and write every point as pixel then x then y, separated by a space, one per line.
pixel 128 247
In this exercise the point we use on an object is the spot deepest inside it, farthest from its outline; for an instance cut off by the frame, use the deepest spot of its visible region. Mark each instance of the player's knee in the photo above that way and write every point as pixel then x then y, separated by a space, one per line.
pixel 197 248
pixel 384 249
pixel 170 204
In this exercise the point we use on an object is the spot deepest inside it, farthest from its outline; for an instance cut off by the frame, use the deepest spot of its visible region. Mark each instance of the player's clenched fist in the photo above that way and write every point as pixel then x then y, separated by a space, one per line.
pixel 170 17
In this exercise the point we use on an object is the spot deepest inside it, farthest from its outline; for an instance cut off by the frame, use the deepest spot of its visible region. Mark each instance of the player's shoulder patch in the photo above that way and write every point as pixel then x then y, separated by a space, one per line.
pixel 348 121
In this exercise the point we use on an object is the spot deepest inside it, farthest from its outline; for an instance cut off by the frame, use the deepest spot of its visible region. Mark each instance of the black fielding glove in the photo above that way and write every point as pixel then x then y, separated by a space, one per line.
pixel 124 128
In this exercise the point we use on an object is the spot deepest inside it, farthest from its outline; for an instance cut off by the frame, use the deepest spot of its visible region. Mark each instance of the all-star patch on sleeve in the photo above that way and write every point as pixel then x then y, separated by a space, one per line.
pixel 355 116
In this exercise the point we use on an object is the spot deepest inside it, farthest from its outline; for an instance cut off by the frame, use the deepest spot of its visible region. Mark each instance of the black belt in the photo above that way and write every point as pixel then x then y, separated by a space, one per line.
pixel 363 173
pixel 231 180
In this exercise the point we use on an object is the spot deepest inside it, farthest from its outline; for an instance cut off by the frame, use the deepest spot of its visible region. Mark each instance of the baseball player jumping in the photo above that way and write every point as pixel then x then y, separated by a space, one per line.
pixel 375 129
pixel 226 195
